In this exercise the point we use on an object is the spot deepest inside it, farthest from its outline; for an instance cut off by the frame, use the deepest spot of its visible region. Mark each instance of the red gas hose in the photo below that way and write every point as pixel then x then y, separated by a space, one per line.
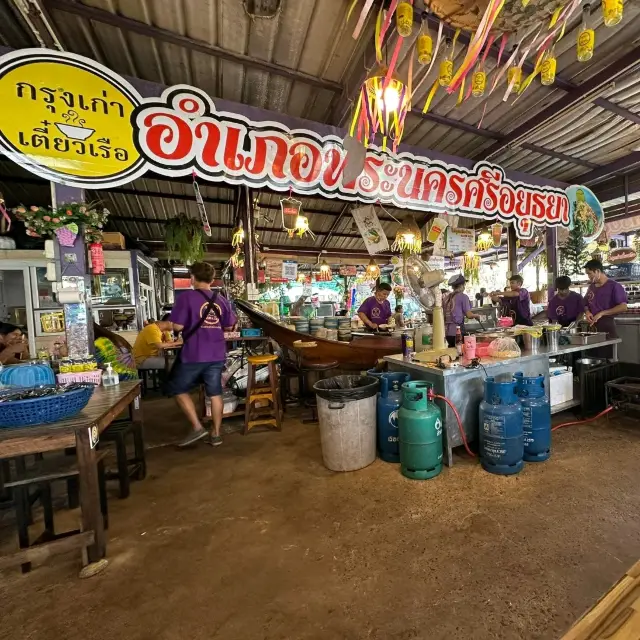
pixel 431 396
pixel 568 424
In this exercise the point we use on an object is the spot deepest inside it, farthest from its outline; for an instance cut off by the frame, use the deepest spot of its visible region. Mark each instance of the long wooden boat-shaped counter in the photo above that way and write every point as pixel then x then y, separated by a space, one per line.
pixel 361 353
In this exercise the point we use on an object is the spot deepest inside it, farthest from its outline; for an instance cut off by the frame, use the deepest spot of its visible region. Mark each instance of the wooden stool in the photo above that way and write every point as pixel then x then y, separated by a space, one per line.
pixel 136 467
pixel 269 416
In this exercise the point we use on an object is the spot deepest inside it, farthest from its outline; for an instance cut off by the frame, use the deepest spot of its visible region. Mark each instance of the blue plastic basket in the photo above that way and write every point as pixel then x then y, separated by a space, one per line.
pixel 26 413
pixel 250 333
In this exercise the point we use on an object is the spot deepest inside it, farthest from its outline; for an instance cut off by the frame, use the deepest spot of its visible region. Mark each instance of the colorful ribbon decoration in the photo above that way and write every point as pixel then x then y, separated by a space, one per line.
pixel 361 19
pixel 432 93
pixel 475 46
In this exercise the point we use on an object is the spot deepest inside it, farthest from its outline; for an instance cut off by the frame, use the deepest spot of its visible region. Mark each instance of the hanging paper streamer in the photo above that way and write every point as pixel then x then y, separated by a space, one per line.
pixel 432 93
pixel 475 46
pixel 201 208
pixel 361 19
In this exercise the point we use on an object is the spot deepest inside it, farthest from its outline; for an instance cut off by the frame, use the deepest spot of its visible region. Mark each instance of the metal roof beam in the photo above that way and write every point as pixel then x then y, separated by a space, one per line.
pixel 621 165
pixel 334 226
pixel 163 35
pixel 585 92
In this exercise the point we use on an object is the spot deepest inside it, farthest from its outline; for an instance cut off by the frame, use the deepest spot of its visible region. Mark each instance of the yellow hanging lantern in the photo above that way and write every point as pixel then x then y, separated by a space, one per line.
pixel 302 227
pixel 484 242
pixel 586 36
pixel 612 11
pixel 425 48
pixel 446 66
pixel 324 275
pixel 404 19
pixel 548 68
pixel 373 270
pixel 387 109
pixel 237 235
pixel 478 82
pixel 408 237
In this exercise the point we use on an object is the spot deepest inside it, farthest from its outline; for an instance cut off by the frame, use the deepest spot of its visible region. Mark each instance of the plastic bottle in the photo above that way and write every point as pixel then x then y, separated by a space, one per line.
pixel 459 342
pixel 110 378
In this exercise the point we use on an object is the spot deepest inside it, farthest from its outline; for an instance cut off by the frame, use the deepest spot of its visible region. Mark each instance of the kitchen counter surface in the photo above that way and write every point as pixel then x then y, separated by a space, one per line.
pixel 488 363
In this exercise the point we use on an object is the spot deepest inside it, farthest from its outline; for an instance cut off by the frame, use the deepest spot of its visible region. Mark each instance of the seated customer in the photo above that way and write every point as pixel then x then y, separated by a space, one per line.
pixel 149 344
pixel 12 345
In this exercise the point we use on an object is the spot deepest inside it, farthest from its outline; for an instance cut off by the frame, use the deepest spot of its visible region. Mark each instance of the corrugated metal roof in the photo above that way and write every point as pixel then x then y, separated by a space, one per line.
pixel 175 41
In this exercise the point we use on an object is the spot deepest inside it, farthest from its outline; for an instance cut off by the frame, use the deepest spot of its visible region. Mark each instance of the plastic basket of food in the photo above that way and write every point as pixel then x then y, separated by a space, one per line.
pixel 42 405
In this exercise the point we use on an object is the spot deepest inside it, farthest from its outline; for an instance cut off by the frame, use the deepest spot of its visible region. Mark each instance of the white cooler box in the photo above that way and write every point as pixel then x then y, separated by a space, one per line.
pixel 560 386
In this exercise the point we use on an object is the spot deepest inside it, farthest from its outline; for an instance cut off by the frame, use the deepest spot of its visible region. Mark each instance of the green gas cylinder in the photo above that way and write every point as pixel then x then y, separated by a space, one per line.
pixel 419 432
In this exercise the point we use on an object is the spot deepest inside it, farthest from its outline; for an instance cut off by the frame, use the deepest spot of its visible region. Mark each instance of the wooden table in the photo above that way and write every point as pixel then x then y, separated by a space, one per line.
pixel 616 616
pixel 82 432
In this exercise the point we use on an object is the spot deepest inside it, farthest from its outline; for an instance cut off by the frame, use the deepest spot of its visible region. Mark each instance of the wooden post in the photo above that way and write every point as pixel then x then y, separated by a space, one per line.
pixel 89 494
pixel 248 222
pixel 551 239
pixel 512 250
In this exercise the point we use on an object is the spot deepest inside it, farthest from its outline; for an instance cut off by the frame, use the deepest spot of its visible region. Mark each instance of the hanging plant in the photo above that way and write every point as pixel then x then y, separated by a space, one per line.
pixel 65 220
pixel 184 237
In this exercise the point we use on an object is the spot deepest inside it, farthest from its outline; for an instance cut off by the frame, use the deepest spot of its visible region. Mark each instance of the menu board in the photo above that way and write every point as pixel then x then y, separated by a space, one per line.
pixel 460 240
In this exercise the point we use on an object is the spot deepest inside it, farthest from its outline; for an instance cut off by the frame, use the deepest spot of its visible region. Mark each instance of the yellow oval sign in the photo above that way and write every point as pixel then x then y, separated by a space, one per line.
pixel 68 119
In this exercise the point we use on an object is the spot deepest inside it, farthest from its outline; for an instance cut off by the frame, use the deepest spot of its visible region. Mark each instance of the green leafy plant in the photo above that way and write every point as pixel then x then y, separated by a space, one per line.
pixel 185 239
pixel 573 253
pixel 41 222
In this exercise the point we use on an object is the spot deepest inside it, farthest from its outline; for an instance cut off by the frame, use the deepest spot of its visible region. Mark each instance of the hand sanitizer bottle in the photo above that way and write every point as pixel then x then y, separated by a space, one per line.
pixel 110 378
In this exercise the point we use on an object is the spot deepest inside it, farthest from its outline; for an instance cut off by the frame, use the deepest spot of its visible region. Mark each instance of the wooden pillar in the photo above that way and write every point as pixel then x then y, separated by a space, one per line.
pixel 512 238
pixel 250 248
pixel 551 239
pixel 73 276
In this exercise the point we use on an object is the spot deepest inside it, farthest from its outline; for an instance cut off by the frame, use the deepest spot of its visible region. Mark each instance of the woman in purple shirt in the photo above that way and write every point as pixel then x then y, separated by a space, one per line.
pixel 456 306
pixel 605 299
pixel 566 306
pixel 376 310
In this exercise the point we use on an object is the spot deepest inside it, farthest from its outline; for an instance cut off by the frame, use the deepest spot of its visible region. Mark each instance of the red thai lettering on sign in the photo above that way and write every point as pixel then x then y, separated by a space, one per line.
pixel 183 132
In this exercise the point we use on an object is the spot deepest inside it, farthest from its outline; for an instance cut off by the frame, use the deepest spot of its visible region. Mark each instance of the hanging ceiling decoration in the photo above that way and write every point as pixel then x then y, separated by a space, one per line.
pixel 484 241
pixel 373 270
pixel 324 275
pixel 532 29
pixel 237 235
pixel 408 237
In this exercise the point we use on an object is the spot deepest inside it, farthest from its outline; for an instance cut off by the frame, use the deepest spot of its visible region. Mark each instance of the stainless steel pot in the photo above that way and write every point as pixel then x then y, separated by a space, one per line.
pixel 531 342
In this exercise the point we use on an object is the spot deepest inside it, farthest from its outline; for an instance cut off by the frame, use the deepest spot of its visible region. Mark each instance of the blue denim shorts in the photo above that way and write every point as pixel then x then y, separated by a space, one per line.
pixel 186 375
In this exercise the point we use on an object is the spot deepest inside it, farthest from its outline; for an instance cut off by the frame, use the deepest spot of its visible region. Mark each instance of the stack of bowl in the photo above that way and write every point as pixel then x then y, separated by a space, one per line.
pixel 302 326
pixel 331 322
pixel 314 325
pixel 321 333
pixel 344 330
pixel 332 334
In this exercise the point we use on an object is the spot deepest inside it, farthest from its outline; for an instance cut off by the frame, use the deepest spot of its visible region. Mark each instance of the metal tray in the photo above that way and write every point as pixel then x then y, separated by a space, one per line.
pixel 587 338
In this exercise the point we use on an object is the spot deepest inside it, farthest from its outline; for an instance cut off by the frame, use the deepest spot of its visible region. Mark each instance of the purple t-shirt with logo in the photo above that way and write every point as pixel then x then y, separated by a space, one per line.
pixel 520 305
pixel 377 312
pixel 207 343
pixel 565 310
pixel 455 308
pixel 609 295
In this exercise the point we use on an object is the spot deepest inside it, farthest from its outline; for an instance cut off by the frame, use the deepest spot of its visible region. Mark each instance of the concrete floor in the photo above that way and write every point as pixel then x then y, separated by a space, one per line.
pixel 256 540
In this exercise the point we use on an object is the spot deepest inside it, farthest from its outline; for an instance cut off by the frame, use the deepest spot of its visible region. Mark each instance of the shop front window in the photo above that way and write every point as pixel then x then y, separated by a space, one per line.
pixel 112 288
pixel 44 290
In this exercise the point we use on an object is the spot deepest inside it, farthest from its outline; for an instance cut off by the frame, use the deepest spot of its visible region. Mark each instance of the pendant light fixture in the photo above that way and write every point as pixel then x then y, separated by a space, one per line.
pixel 408 237
pixel 373 270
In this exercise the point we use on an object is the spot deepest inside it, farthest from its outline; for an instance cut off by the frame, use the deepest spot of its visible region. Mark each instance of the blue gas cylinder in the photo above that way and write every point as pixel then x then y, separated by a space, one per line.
pixel 501 434
pixel 389 401
pixel 536 417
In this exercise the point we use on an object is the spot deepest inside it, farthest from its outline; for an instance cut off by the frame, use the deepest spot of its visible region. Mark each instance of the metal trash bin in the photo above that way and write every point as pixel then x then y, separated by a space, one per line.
pixel 347 419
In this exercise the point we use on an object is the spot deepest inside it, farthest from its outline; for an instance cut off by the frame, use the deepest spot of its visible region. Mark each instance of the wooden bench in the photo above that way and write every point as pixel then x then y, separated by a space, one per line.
pixel 615 615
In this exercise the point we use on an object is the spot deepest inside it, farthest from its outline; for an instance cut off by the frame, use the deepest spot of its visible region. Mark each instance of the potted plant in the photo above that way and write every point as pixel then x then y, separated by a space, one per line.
pixel 185 239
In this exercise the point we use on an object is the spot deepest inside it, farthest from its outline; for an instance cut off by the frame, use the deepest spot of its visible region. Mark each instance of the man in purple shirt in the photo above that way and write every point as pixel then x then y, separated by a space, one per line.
pixel 605 299
pixel 566 306
pixel 203 354
pixel 516 301
pixel 376 310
